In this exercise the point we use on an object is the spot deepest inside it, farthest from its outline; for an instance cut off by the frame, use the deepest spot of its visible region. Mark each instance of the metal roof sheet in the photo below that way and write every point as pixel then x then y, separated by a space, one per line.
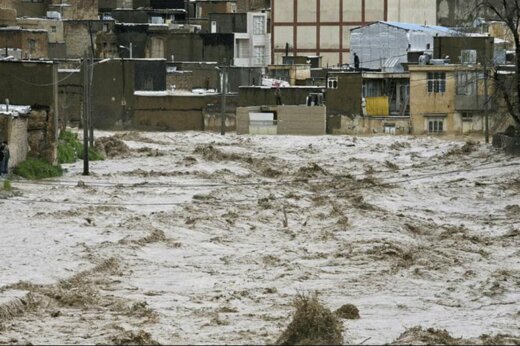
pixel 424 28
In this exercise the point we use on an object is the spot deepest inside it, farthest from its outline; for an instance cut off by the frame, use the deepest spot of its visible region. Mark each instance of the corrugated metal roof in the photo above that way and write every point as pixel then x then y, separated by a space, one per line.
pixel 424 28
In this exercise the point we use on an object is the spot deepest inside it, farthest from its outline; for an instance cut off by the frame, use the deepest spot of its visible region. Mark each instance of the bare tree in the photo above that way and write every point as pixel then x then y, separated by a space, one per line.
pixel 508 11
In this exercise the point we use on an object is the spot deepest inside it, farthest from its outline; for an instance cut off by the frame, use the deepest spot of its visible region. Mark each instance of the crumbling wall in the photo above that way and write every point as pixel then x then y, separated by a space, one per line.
pixel 41 135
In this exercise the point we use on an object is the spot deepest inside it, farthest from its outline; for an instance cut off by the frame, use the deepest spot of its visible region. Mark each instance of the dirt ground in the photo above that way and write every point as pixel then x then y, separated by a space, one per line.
pixel 200 238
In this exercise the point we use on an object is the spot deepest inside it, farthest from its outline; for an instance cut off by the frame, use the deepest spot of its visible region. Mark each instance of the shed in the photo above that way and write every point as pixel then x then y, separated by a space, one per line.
pixel 385 45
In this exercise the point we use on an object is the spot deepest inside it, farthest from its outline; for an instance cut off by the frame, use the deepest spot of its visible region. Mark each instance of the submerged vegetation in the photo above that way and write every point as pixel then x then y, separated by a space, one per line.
pixel 34 169
pixel 70 149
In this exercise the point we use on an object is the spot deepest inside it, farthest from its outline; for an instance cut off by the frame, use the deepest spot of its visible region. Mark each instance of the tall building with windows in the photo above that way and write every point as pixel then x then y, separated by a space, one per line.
pixel 322 27
pixel 252 48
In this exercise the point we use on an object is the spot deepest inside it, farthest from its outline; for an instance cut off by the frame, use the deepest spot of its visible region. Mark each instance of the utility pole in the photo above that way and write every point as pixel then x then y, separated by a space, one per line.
pixel 224 91
pixel 86 111
pixel 89 114
pixel 486 100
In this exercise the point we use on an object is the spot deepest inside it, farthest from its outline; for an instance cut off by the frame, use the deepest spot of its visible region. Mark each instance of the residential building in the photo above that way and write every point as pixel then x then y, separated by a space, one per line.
pixel 244 6
pixel 202 8
pixel 368 102
pixel 32 43
pixel 252 48
pixel 448 99
pixel 322 27
pixel 282 120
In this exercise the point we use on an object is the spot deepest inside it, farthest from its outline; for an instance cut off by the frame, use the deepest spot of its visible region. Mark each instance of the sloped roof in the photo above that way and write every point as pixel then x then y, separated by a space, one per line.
pixel 425 28
pixel 431 29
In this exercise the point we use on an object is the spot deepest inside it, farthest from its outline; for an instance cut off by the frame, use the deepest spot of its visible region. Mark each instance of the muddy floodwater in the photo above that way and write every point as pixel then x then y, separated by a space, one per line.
pixel 199 238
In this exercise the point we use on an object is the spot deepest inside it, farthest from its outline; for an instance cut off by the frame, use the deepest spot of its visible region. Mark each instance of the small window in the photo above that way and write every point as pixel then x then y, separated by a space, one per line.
pixel 332 83
pixel 259 55
pixel 105 27
pixel 258 25
pixel 428 46
pixel 467 116
pixel 436 82
pixel 32 46
pixel 53 28
pixel 435 125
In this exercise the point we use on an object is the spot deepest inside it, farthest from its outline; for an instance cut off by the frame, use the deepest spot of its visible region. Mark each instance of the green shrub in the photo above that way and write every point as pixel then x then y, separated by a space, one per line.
pixel 70 149
pixel 34 169
pixel 7 185
pixel 94 155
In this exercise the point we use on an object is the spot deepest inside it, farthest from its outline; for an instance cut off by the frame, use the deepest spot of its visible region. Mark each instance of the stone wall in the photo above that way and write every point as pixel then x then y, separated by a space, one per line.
pixel 42 134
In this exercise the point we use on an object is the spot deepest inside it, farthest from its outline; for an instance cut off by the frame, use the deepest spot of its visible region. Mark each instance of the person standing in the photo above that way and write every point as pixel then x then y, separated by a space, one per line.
pixel 5 160
pixel 1 155
pixel 356 62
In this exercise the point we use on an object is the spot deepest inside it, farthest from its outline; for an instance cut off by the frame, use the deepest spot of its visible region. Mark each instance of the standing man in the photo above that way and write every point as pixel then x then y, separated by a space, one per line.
pixel 5 159
pixel 1 156
pixel 356 62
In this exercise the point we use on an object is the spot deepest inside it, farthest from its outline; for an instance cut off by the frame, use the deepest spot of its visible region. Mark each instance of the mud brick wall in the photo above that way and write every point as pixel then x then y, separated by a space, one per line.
pixel 14 130
pixel 170 112
pixel 183 80
pixel 76 37
pixel 41 133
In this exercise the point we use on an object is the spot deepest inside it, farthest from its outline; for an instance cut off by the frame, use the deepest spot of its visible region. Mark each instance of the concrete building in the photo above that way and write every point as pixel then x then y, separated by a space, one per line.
pixel 470 50
pixel 282 120
pixel 386 45
pixel 252 48
pixel 202 8
pixel 244 6
pixel 33 44
pixel 368 102
pixel 61 9
pixel 7 17
pixel 447 99
pixel 322 27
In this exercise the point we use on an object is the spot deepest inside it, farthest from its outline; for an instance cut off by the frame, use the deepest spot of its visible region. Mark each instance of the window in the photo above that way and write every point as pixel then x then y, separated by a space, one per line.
pixel 466 82
pixel 467 116
pixel 32 46
pixel 436 82
pixel 258 25
pixel 389 129
pixel 105 27
pixel 53 28
pixel 435 125
pixel 259 55
pixel 332 83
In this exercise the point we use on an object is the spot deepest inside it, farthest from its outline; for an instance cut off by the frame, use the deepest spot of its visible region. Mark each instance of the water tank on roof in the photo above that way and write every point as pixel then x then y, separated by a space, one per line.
pixel 424 59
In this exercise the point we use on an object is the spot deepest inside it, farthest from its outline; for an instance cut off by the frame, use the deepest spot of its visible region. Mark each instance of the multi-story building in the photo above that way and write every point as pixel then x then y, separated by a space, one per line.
pixel 252 48
pixel 322 27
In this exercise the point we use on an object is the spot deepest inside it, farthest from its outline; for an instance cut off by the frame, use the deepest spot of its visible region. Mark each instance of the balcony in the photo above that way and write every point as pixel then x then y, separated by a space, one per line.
pixel 471 103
